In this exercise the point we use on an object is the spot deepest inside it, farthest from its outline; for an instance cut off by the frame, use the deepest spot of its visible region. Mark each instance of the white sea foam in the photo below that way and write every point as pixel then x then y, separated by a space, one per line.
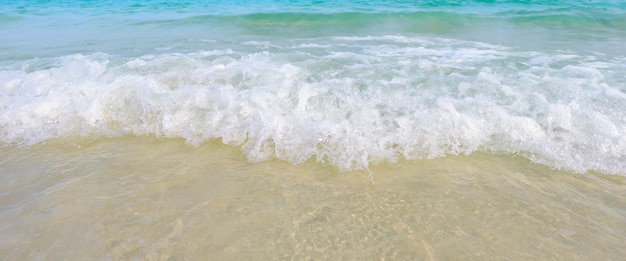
pixel 345 101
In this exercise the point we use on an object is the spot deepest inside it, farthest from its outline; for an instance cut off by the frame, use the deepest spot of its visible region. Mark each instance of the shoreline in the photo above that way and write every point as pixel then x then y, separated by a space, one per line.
pixel 147 198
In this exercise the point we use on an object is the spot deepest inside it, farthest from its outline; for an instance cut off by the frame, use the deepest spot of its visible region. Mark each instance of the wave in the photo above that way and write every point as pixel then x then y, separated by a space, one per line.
pixel 346 101
pixel 564 16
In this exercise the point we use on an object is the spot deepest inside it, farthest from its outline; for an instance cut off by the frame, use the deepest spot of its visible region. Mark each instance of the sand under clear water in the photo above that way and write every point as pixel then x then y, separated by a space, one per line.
pixel 312 130
pixel 141 198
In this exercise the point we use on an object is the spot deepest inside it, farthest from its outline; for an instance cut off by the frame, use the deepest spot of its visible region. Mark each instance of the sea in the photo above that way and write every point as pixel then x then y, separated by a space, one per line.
pixel 312 130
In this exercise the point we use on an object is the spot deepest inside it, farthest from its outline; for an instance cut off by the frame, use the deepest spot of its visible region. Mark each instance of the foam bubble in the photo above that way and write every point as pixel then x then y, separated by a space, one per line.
pixel 345 101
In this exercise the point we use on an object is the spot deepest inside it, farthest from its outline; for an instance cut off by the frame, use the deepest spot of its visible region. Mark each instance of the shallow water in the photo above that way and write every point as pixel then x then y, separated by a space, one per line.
pixel 347 83
pixel 346 129
pixel 146 198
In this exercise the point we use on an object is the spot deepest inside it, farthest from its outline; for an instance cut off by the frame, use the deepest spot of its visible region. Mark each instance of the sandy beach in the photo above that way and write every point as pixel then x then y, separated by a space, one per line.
pixel 149 199
pixel 312 130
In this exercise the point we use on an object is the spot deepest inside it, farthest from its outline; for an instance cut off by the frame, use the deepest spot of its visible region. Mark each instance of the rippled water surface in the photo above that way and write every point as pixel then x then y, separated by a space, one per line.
pixel 323 129
pixel 135 198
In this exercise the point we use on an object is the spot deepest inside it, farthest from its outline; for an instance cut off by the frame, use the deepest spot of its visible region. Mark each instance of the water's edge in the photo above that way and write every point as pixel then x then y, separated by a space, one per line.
pixel 134 197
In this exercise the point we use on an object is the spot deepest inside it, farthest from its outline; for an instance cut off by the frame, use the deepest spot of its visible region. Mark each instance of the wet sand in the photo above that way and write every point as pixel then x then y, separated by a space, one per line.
pixel 159 199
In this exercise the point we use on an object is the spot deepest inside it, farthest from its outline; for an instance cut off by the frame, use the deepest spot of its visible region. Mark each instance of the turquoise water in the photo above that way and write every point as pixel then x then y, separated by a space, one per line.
pixel 345 82
pixel 312 130
pixel 37 28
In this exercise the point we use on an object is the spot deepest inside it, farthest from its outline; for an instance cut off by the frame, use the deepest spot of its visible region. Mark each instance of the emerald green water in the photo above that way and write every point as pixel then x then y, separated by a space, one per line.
pixel 36 28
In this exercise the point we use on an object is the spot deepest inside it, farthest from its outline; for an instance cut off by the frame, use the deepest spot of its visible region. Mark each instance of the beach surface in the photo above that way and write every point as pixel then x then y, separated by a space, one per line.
pixel 324 130
pixel 149 199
